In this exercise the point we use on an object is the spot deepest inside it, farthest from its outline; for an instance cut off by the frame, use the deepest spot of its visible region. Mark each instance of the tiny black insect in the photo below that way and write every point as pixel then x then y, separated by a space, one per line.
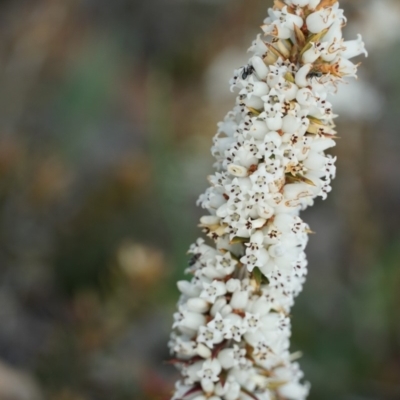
pixel 247 70
pixel 194 259
pixel 315 74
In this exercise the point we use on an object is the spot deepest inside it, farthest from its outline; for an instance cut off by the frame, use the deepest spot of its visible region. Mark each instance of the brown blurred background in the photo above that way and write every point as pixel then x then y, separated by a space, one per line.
pixel 107 110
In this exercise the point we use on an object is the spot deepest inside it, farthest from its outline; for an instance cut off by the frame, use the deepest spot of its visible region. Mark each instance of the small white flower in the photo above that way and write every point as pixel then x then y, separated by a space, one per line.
pixel 212 291
pixel 262 351
pixel 188 289
pixel 219 324
pixel 314 52
pixel 320 20
pixel 203 351
pixel 277 29
pixel 197 305
pixel 289 19
pixel 252 322
pixel 259 66
pixel 353 48
pixel 209 373
pixel 252 88
pixel 258 46
pixel 237 170
pixel 230 390
pixel 235 329
pixel 233 285
pixel 209 336
pixel 256 254
pixel 301 76
pixel 187 319
pixel 225 264
pixel 184 348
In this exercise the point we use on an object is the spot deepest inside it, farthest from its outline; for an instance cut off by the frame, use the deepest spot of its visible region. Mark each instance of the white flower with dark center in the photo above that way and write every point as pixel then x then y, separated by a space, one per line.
pixel 225 264
pixel 252 322
pixel 235 329
pixel 209 374
pixel 212 291
pixel 209 336
pixel 219 324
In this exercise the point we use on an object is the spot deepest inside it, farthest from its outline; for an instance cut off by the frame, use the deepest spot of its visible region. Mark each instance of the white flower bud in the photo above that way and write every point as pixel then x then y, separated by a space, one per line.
pixel 193 370
pixel 265 211
pixel 260 67
pixel 311 54
pixel 291 19
pixel 261 306
pixel 207 385
pixel 294 391
pixel 259 222
pixel 275 123
pixel 320 145
pixel 334 33
pixel 225 357
pixel 258 47
pixel 305 97
pixel 346 67
pixel 277 250
pixel 197 305
pixel 290 91
pixel 259 129
pixel 239 300
pixel 320 20
pixel 192 320
pixel 314 161
pixel 203 351
pixel 290 124
pixel 237 170
pixel 233 391
pixel 208 220
pixel 226 310
pixel 188 289
pixel 233 285
pixel 301 76
pixel 278 30
pixel 217 306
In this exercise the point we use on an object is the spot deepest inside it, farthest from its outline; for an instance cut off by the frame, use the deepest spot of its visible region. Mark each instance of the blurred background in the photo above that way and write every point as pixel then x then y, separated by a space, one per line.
pixel 107 110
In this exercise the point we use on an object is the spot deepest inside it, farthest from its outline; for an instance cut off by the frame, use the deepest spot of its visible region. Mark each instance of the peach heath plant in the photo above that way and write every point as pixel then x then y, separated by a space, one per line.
pixel 231 333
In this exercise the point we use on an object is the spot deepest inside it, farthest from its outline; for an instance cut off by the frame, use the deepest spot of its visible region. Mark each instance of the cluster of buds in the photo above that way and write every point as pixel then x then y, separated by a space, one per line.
pixel 231 334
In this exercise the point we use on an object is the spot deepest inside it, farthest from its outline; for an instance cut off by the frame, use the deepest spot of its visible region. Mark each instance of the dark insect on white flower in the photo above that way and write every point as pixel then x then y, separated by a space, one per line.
pixel 194 259
pixel 247 71
pixel 315 74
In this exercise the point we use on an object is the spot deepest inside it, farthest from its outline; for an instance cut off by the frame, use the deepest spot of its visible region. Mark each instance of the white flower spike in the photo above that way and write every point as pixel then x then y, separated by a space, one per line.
pixel 231 334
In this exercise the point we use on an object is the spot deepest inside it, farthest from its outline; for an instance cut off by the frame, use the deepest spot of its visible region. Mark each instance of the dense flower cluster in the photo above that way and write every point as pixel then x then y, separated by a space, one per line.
pixel 231 333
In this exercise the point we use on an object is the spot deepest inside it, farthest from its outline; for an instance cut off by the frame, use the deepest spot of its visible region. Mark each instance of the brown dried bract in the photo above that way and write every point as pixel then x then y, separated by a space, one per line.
pixel 278 4
pixel 253 168
pixel 326 4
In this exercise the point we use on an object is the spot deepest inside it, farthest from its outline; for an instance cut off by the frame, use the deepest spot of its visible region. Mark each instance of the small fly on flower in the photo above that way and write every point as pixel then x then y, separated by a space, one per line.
pixel 194 259
pixel 247 71
pixel 315 74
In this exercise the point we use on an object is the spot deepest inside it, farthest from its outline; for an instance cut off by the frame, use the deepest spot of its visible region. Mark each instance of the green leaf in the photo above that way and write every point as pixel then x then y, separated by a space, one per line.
pixel 238 239
pixel 259 277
